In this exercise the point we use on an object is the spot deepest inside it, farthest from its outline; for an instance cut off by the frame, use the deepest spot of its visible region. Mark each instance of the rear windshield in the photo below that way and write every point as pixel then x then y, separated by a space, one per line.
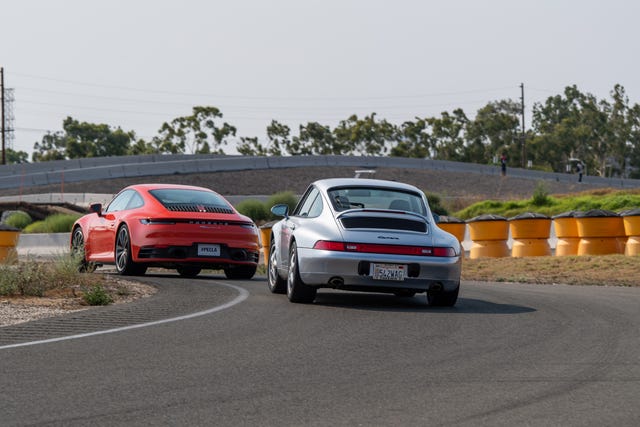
pixel 344 198
pixel 172 196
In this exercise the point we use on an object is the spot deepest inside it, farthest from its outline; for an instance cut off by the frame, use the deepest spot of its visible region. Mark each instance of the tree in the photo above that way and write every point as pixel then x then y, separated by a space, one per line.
pixel 448 141
pixel 197 134
pixel 13 156
pixel 364 136
pixel 412 140
pixel 279 138
pixel 83 139
pixel 495 129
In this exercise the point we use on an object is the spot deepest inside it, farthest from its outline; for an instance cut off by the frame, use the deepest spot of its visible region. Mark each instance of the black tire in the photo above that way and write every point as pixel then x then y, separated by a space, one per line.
pixel 443 298
pixel 78 252
pixel 240 272
pixel 277 284
pixel 297 291
pixel 186 271
pixel 124 264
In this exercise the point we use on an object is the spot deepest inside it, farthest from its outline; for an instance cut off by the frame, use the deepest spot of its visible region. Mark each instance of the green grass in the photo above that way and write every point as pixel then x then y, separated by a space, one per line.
pixel 56 223
pixel 612 200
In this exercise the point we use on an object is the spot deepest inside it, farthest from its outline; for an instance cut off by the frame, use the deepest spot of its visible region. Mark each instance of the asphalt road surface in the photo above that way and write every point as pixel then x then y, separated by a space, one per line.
pixel 238 355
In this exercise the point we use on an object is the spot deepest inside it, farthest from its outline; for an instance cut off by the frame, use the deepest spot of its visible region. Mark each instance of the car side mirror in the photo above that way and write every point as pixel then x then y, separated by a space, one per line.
pixel 280 210
pixel 96 208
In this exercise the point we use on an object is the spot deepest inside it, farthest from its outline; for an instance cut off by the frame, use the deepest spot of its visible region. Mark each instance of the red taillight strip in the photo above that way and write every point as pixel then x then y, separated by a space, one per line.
pixel 384 249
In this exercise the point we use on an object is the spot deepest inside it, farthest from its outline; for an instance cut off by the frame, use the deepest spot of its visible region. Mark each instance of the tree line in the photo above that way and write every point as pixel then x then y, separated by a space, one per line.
pixel 570 128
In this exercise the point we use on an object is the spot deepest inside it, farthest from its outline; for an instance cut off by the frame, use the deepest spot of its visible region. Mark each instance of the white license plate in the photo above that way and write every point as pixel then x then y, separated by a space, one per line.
pixel 208 250
pixel 388 272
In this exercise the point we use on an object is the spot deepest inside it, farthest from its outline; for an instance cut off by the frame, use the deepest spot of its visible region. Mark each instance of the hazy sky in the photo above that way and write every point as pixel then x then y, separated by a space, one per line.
pixel 138 63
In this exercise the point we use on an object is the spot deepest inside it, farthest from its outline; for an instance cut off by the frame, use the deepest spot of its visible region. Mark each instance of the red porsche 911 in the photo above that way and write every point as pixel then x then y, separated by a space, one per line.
pixel 180 227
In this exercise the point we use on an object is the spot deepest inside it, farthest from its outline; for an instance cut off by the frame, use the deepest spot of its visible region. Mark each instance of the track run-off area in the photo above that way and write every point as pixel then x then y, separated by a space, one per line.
pixel 209 351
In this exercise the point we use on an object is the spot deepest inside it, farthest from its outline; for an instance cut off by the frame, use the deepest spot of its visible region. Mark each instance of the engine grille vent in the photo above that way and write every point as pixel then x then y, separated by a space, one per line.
pixel 384 223
pixel 192 207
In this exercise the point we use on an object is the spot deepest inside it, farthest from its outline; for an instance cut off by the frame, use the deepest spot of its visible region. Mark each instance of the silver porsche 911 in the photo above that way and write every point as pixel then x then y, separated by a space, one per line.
pixel 363 235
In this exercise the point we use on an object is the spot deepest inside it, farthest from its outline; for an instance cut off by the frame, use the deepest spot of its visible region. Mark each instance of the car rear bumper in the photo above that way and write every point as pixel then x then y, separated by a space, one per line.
pixel 351 271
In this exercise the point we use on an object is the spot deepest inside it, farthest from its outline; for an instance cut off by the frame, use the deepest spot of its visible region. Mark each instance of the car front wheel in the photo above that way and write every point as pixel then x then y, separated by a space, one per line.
pixel 296 290
pixel 188 271
pixel 124 264
pixel 240 272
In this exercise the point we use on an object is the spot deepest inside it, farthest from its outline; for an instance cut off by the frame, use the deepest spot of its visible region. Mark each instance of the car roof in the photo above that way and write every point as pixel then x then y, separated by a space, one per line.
pixel 327 184
pixel 157 186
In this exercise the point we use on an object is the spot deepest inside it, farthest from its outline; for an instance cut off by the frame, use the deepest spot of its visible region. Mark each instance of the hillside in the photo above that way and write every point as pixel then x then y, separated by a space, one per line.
pixel 456 189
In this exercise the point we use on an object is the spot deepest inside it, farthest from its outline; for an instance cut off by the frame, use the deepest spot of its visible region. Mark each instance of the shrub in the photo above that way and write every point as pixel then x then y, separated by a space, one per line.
pixel 541 195
pixel 285 197
pixel 56 223
pixel 435 203
pixel 97 295
pixel 19 220
pixel 254 209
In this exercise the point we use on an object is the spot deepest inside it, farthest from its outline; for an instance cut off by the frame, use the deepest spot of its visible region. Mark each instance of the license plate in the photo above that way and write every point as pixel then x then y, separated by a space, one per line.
pixel 388 272
pixel 208 250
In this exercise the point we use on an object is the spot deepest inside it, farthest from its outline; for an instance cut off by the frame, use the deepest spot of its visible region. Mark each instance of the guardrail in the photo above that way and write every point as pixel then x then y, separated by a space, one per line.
pixel 56 172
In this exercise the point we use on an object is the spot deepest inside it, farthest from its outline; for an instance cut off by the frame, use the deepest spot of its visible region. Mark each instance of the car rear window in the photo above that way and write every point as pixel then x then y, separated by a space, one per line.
pixel 344 198
pixel 191 200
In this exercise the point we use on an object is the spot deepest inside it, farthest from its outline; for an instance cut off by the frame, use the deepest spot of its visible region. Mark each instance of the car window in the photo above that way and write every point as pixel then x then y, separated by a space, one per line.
pixel 120 202
pixel 308 203
pixel 175 196
pixel 344 198
pixel 136 201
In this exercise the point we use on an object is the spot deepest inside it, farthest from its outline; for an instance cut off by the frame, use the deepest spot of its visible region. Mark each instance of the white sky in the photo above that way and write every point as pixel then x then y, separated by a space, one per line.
pixel 138 63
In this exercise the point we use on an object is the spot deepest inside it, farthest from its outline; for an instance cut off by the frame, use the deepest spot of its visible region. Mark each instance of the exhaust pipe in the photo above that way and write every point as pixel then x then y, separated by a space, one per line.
pixel 436 287
pixel 336 282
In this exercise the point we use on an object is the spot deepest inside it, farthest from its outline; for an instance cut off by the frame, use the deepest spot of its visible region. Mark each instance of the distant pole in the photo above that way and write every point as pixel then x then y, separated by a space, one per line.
pixel 4 157
pixel 524 145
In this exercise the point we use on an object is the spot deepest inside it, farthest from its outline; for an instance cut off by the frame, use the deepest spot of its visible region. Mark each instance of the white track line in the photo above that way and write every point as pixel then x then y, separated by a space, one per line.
pixel 243 295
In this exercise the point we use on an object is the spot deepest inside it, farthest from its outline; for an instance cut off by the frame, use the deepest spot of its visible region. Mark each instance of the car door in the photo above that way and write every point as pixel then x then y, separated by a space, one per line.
pixel 103 231
pixel 309 207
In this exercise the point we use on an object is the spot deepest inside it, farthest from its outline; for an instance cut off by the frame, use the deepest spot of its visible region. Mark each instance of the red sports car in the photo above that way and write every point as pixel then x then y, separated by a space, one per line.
pixel 172 226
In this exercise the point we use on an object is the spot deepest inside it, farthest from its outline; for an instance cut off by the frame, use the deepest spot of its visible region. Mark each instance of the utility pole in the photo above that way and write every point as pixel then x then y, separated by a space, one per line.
pixel 524 145
pixel 4 156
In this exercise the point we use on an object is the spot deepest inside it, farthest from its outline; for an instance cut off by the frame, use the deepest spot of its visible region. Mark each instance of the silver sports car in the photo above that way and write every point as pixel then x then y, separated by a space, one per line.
pixel 363 235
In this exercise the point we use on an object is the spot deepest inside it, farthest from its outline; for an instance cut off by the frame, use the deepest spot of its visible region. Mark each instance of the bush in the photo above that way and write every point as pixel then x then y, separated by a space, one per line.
pixel 19 220
pixel 56 223
pixel 540 195
pixel 435 203
pixel 282 198
pixel 97 295
pixel 254 209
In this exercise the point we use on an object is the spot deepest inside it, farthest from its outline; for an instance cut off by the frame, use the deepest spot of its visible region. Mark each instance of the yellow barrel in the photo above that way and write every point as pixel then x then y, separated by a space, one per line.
pixel 566 228
pixel 453 225
pixel 599 231
pixel 530 232
pixel 631 222
pixel 9 237
pixel 489 234
pixel 265 240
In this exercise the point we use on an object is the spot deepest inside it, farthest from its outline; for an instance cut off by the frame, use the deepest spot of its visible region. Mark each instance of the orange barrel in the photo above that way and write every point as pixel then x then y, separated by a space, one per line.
pixel 489 234
pixel 530 232
pixel 453 225
pixel 599 231
pixel 631 222
pixel 566 228
pixel 265 240
pixel 9 237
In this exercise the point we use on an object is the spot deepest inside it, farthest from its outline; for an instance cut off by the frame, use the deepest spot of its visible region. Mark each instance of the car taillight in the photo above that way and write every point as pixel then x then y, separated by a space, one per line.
pixel 149 221
pixel 385 249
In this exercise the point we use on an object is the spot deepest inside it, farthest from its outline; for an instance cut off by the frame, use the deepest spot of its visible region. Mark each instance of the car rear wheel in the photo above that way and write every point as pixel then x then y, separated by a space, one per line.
pixel 124 264
pixel 296 290
pixel 188 271
pixel 240 272
pixel 443 298
pixel 277 284
pixel 78 252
